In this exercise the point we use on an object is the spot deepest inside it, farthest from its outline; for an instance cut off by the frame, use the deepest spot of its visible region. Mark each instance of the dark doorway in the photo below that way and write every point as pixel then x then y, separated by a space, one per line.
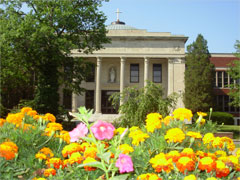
pixel 89 99
pixel 107 107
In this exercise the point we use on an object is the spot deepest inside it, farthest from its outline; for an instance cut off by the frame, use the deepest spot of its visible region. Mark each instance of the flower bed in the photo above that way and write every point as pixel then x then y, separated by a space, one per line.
pixel 35 147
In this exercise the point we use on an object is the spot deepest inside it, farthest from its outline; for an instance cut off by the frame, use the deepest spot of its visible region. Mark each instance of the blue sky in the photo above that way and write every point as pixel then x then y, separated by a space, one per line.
pixel 217 20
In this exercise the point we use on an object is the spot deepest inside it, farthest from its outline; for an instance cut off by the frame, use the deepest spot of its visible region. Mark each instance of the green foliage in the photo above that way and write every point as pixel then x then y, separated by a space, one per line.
pixel 137 103
pixel 199 76
pixel 234 72
pixel 36 44
pixel 222 117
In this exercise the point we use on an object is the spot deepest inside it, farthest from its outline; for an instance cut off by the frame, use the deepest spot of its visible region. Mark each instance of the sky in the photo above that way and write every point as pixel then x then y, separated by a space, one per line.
pixel 217 20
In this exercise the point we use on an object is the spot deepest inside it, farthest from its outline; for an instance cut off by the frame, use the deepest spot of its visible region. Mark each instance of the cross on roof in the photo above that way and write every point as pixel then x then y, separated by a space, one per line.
pixel 118 12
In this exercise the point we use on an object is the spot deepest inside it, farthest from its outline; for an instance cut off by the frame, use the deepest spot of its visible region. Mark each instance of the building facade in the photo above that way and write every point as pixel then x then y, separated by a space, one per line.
pixel 133 57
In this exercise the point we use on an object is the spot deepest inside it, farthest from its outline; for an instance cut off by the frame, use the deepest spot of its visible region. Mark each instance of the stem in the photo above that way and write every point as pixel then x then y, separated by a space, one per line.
pixel 46 141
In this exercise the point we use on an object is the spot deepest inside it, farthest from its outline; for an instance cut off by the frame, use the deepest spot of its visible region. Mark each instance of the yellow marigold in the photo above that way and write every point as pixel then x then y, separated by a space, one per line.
pixel 149 176
pixel 167 120
pixel 212 155
pixel 39 178
pixel 153 121
pixel 15 118
pixel 49 171
pixel 49 117
pixel 40 156
pixel 238 152
pixel 231 161
pixel 52 127
pixel 207 163
pixel 200 154
pixel 220 153
pixel 25 110
pixel 188 152
pixel 174 135
pixel 89 160
pixel 174 155
pixel 8 150
pixel 195 135
pixel 208 138
pixel 182 113
pixel 75 157
pixel 211 178
pixel 160 163
pixel 190 177
pixel 120 130
pixel 221 169
pixel 71 148
pixel 138 136
pixel 228 142
pixel 83 146
pixel 32 113
pixel 202 114
pixel 125 148
pixel 2 121
pixel 90 152
pixel 217 142
pixel 64 135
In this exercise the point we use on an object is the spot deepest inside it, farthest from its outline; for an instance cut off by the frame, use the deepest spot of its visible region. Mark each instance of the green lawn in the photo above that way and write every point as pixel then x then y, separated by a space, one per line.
pixel 231 128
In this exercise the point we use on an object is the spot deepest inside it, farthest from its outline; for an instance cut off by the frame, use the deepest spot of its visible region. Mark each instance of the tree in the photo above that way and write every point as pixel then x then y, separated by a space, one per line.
pixel 199 76
pixel 234 72
pixel 40 39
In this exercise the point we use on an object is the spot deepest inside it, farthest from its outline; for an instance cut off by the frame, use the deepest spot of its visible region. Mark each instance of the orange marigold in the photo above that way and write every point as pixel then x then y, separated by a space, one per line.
pixel 188 152
pixel 167 120
pixel 228 142
pixel 2 121
pixel 153 122
pixel 160 163
pixel 89 160
pixel 90 152
pixel 32 113
pixel 185 163
pixel 207 163
pixel 64 135
pixel 25 110
pixel 54 162
pixel 201 154
pixel 49 117
pixel 71 148
pixel 75 158
pixel 149 176
pixel 221 169
pixel 49 171
pixel 174 155
pixel 15 118
pixel 175 135
pixel 182 113
pixel 8 150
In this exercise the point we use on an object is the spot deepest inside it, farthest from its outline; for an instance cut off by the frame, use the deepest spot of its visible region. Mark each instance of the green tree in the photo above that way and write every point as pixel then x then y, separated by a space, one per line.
pixel 140 102
pixel 234 72
pixel 40 38
pixel 199 76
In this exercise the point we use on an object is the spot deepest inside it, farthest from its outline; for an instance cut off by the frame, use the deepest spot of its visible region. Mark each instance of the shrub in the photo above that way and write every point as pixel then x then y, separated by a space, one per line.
pixel 222 117
pixel 140 102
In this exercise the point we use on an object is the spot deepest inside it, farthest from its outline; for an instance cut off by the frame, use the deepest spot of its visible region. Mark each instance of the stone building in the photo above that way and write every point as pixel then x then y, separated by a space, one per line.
pixel 133 57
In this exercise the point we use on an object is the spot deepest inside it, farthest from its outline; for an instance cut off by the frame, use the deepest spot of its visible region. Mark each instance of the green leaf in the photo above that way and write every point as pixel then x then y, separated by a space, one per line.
pixel 106 156
pixel 93 164
pixel 120 177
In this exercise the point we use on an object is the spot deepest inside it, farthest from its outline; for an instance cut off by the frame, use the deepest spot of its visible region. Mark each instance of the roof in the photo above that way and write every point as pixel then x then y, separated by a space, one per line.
pixel 119 26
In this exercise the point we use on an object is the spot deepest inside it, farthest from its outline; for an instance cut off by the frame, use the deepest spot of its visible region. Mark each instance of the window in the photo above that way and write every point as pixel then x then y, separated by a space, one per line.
pixel 134 73
pixel 219 74
pixel 91 73
pixel 225 75
pixel 222 104
pixel 157 73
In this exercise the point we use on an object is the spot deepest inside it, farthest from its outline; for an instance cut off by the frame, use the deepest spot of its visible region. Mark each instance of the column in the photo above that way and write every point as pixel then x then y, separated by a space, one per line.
pixel 122 76
pixel 170 76
pixel 146 70
pixel 98 86
pixel 74 102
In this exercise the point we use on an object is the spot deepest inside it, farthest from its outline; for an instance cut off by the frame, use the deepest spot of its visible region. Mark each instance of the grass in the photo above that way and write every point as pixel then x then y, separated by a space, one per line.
pixel 231 128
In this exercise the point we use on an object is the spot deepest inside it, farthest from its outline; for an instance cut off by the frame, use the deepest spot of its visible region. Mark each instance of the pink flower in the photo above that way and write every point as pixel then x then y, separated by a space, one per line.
pixel 124 163
pixel 103 130
pixel 80 131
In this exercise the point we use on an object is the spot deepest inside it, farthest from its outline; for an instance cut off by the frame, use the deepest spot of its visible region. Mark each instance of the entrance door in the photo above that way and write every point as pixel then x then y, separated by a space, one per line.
pixel 107 107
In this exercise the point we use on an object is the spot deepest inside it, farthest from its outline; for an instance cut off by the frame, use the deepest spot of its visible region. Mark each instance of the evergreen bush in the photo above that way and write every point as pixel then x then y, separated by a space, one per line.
pixel 222 117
